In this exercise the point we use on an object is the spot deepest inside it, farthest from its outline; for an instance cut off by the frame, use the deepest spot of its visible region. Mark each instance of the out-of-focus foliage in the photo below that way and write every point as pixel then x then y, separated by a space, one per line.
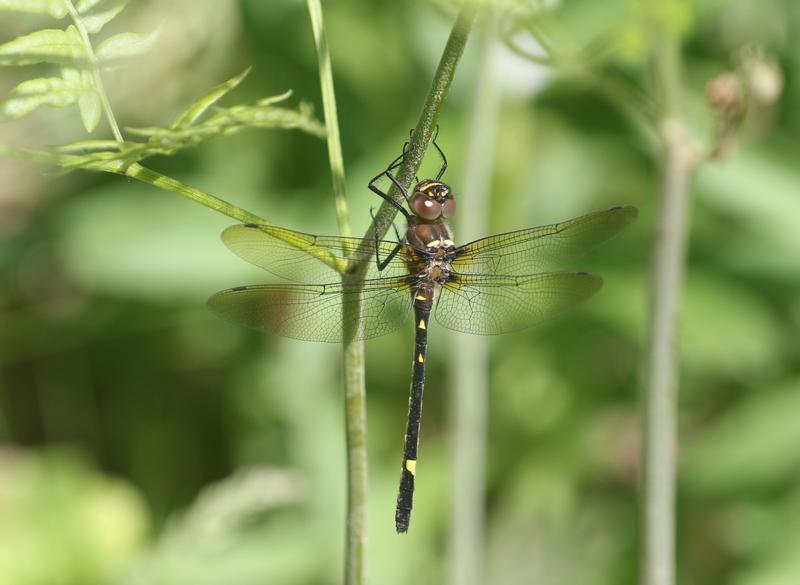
pixel 106 347
pixel 69 48
pixel 89 524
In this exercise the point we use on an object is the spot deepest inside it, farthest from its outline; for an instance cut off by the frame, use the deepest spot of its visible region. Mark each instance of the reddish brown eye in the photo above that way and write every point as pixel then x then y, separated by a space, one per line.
pixel 449 208
pixel 424 207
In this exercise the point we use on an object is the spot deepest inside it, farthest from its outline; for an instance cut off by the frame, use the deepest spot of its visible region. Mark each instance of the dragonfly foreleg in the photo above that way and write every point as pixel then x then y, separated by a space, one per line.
pixel 441 153
pixel 385 196
pixel 381 264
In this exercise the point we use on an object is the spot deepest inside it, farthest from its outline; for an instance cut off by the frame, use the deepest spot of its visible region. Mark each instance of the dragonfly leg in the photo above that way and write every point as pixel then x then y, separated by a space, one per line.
pixel 441 153
pixel 388 172
pixel 381 264
pixel 389 258
pixel 393 179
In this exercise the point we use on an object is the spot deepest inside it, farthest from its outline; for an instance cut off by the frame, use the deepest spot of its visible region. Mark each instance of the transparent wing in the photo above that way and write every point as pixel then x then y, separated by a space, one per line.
pixel 306 257
pixel 487 305
pixel 314 312
pixel 544 248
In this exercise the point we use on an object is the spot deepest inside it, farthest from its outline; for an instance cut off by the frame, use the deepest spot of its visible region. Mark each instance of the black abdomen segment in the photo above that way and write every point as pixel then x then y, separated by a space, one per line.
pixel 423 301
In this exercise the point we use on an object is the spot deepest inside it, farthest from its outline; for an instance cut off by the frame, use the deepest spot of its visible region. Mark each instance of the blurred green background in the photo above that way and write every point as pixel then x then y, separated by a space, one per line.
pixel 143 441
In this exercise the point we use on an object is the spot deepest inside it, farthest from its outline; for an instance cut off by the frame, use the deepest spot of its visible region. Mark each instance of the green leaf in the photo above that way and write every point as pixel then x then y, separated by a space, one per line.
pixel 268 101
pixel 125 46
pixel 198 108
pixel 55 8
pixel 45 46
pixel 86 146
pixel 260 116
pixel 29 95
pixel 85 6
pixel 95 14
pixel 89 103
pixel 226 121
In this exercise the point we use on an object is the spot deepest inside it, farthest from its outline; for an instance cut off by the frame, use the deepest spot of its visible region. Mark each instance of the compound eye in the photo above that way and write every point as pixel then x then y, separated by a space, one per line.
pixel 449 208
pixel 425 207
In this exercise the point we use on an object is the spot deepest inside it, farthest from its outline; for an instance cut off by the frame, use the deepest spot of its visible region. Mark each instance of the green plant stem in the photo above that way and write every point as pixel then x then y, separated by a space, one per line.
pixel 98 78
pixel 660 426
pixel 423 132
pixel 353 355
pixel 331 118
pixel 145 175
pixel 469 393
pixel 355 571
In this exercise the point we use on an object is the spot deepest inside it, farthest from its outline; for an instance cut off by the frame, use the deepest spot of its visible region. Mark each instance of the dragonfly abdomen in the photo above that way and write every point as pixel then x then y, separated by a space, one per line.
pixel 423 302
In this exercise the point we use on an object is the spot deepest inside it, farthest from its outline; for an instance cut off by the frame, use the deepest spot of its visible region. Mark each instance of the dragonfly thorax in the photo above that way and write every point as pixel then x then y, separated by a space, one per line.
pixel 428 237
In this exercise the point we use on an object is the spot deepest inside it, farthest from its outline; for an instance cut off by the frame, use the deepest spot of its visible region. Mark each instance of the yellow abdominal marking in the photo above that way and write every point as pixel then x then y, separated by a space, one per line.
pixel 422 324
pixel 411 465
pixel 433 243
pixel 420 298
pixel 420 359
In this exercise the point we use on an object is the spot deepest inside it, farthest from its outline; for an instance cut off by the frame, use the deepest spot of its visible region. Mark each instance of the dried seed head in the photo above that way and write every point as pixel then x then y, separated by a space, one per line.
pixel 764 79
pixel 725 92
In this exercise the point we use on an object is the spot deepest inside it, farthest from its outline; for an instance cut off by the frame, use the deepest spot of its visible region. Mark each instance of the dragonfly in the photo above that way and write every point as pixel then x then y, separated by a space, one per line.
pixel 498 284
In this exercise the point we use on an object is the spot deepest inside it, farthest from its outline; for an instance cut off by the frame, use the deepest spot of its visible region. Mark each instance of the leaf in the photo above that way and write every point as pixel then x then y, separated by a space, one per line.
pixel 45 46
pixel 89 103
pixel 55 8
pixel 29 95
pixel 269 117
pixel 125 46
pixel 198 108
pixel 85 6
pixel 268 101
pixel 91 108
pixel 95 14
pixel 226 121
pixel 85 146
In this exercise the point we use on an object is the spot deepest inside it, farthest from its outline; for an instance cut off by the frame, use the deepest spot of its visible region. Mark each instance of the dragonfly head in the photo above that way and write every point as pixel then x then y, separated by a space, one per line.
pixel 432 200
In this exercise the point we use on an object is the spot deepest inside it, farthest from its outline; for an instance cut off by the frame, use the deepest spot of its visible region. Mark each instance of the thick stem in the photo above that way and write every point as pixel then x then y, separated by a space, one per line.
pixel 357 479
pixel 423 132
pixel 353 357
pixel 660 426
pixel 469 394
pixel 661 377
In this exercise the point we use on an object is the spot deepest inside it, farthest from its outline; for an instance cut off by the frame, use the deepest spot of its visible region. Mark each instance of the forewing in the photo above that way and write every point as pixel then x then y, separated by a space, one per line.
pixel 487 305
pixel 544 248
pixel 315 312
pixel 306 257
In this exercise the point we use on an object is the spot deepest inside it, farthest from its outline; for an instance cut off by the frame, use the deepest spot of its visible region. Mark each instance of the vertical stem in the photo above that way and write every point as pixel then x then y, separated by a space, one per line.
pixel 353 348
pixel 353 352
pixel 98 79
pixel 357 485
pixel 661 374
pixel 331 118
pixel 469 394
pixel 429 116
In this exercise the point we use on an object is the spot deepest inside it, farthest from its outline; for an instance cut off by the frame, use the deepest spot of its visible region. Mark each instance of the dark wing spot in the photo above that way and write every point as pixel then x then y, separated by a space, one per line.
pixel 239 288
pixel 582 273
pixel 616 207
pixel 251 225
